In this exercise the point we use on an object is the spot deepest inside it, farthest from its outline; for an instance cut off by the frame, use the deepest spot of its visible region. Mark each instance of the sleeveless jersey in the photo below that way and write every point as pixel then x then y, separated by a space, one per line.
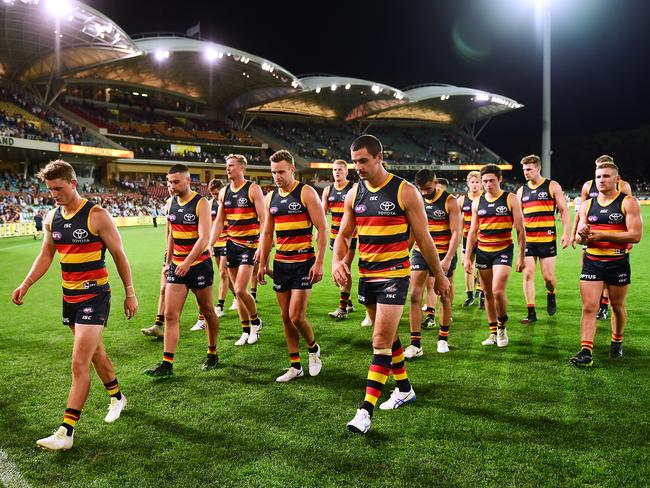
pixel 243 223
pixel 82 252
pixel 608 218
pixel 438 221
pixel 538 205
pixel 467 214
pixel 336 202
pixel 494 223
pixel 383 230
pixel 184 221
pixel 214 210
pixel 293 227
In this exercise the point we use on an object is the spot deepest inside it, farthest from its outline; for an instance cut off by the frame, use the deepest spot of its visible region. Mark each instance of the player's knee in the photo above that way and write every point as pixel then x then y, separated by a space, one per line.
pixel 590 308
pixel 499 294
pixel 171 318
pixel 79 367
pixel 416 295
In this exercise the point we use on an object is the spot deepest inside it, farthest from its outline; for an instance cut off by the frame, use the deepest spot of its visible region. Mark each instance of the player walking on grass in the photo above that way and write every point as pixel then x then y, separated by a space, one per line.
pixel 443 218
pixel 494 215
pixel 539 198
pixel 465 202
pixel 384 209
pixel 219 253
pixel 241 206
pixel 608 224
pixel 188 267
pixel 292 211
pixel 333 200
pixel 81 232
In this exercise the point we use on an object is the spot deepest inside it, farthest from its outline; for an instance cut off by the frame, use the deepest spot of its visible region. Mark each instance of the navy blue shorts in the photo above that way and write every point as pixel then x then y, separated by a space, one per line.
pixel 391 291
pixel 199 276
pixel 89 312
pixel 485 260
pixel 615 273
pixel 541 249
pixel 292 276
pixel 418 263
pixel 237 255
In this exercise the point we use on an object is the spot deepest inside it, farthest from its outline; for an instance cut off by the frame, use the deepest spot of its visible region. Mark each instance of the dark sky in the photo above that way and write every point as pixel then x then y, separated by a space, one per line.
pixel 600 49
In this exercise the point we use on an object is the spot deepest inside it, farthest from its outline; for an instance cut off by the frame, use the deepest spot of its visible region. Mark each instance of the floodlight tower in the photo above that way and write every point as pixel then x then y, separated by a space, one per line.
pixel 545 7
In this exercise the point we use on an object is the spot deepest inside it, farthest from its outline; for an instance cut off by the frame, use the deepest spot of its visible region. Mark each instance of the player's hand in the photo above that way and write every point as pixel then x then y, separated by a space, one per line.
pixel 182 269
pixel 165 269
pixel 467 265
pixel 261 273
pixel 584 230
pixel 316 273
pixel 441 285
pixel 130 306
pixel 19 293
pixel 519 267
pixel 564 242
pixel 444 264
pixel 596 235
pixel 341 274
pixel 211 251
pixel 573 242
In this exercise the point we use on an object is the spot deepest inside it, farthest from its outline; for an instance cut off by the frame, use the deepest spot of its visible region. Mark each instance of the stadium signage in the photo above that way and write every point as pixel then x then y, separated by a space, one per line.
pixel 28 144
pixel 6 141
pixel 95 151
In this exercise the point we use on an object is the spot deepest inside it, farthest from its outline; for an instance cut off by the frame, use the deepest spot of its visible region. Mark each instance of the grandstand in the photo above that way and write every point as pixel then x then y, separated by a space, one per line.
pixel 123 108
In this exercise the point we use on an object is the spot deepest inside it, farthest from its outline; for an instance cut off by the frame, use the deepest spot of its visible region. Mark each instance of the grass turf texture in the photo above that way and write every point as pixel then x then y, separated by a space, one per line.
pixel 519 416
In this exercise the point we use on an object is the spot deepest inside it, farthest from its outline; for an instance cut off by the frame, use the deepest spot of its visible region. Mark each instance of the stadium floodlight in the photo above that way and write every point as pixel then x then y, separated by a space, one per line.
pixel 59 8
pixel 482 97
pixel 161 54
pixel 318 89
pixel 333 87
pixel 211 54
pixel 347 86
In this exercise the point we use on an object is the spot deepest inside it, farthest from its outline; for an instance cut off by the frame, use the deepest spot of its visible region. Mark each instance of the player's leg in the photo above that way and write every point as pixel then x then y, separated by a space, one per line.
pixel 253 291
pixel 417 284
pixel 469 288
pixel 500 275
pixel 205 300
pixel 617 295
pixel 530 265
pixel 445 317
pixel 106 372
pixel 485 275
pixel 590 293
pixel 298 315
pixel 156 330
pixel 224 284
pixel 429 308
pixel 292 338
pixel 547 266
pixel 604 304
pixel 246 301
pixel 238 275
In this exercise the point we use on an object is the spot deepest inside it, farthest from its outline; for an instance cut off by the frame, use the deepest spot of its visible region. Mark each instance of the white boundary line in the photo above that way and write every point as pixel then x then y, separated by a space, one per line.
pixel 9 474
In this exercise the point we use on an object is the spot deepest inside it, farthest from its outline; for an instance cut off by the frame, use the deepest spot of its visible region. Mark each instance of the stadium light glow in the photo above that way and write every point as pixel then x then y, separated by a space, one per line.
pixel 318 89
pixel 347 86
pixel 212 54
pixel 59 8
pixel 483 97
pixel 161 54
pixel 333 87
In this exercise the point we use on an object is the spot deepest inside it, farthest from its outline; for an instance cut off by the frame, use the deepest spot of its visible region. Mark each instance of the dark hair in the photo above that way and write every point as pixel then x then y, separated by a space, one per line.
pixel 214 184
pixel 281 155
pixel 178 168
pixel 424 176
pixel 491 168
pixel 369 143
pixel 58 169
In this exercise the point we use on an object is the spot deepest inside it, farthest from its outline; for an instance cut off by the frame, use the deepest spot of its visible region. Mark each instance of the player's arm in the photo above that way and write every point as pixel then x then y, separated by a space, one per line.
pixel 217 225
pixel 317 216
pixel 266 240
pixel 624 187
pixel 565 214
pixel 471 238
pixel 461 202
pixel 518 224
pixel 417 218
pixel 203 214
pixel 102 223
pixel 256 195
pixel 583 198
pixel 340 270
pixel 582 226
pixel 325 199
pixel 40 265
pixel 455 226
pixel 633 222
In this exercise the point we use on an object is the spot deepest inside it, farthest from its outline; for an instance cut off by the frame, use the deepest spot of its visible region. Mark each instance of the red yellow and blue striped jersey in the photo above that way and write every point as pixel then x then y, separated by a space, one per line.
pixel 437 210
pixel 293 226
pixel 538 205
pixel 383 230
pixel 223 236
pixel 184 222
pixel 83 269
pixel 336 203
pixel 494 223
pixel 467 214
pixel 608 218
pixel 243 222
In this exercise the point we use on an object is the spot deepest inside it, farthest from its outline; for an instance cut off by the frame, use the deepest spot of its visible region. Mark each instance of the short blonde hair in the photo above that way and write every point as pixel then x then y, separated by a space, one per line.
pixel 241 159
pixel 607 165
pixel 605 158
pixel 532 159
pixel 473 174
pixel 58 169
pixel 341 162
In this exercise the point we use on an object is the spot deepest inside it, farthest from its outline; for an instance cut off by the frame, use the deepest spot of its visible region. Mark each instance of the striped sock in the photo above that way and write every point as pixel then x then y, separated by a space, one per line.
pixel 255 320
pixel 416 338
pixel 246 326
pixel 343 300
pixel 430 311
pixel 221 303
pixel 587 346
pixel 212 350
pixel 160 320
pixel 254 293
pixel 443 334
pixel 377 377
pixel 493 327
pixel 313 347
pixel 294 359
pixel 531 309
pixel 398 367
pixel 201 317
pixel 113 389
pixel 617 338
pixel 70 419
pixel 168 357
pixel 501 322
pixel 350 304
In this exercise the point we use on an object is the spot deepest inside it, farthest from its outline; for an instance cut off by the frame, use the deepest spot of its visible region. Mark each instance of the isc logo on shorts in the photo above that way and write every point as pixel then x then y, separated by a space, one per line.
pixel 391 295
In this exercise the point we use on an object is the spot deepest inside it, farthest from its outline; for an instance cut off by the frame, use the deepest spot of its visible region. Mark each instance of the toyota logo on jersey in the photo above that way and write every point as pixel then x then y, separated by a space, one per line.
pixel 189 217
pixel 502 210
pixel 79 233
pixel 295 206
pixel 387 206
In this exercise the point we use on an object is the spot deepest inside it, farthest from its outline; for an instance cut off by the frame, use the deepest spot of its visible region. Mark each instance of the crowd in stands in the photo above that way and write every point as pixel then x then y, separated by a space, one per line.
pixel 148 152
pixel 22 116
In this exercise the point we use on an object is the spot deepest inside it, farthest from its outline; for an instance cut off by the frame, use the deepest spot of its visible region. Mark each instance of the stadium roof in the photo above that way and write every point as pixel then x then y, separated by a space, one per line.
pixel 92 49
pixel 32 31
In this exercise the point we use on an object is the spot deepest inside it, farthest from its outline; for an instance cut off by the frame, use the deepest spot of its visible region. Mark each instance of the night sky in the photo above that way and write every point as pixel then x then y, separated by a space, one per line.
pixel 600 49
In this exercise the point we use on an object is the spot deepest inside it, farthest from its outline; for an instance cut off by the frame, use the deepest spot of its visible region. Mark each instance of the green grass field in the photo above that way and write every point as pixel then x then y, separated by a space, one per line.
pixel 521 416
